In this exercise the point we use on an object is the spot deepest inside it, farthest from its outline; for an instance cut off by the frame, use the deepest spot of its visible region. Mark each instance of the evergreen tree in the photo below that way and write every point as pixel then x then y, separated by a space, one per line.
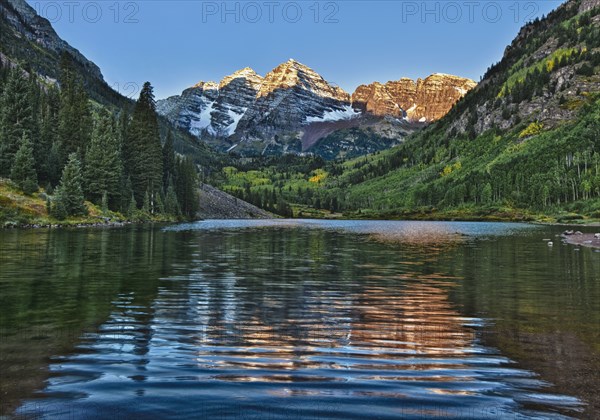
pixel 146 203
pixel 23 169
pixel 126 194
pixel 171 203
pixel 58 210
pixel 103 165
pixel 123 127
pixel 69 193
pixel 168 153
pixel 143 150
pixel 160 203
pixel 16 118
pixel 45 149
pixel 283 208
pixel 74 117
pixel 105 203
pixel 187 188
pixel 53 163
pixel 132 206
pixel 36 99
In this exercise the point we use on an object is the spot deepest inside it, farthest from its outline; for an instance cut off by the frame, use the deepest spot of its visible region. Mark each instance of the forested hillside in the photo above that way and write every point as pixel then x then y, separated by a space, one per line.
pixel 66 136
pixel 77 150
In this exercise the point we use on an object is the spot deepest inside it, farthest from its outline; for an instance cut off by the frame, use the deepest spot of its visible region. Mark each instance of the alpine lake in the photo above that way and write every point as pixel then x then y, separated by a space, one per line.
pixel 300 319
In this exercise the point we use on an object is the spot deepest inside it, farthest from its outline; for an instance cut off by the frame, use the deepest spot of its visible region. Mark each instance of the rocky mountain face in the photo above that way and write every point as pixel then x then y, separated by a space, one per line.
pixel 256 112
pixel 211 108
pixel 546 75
pixel 29 40
pixel 191 110
pixel 20 19
pixel 291 96
pixel 425 100
pixel 292 108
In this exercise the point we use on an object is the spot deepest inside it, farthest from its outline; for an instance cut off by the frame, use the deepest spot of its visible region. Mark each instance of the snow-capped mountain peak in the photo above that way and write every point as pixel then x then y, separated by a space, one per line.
pixel 244 102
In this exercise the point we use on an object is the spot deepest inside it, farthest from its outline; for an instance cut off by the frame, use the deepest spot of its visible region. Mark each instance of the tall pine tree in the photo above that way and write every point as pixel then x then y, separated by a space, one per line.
pixel 103 165
pixel 16 118
pixel 187 187
pixel 46 153
pixel 143 149
pixel 74 117
pixel 168 152
pixel 23 169
pixel 171 203
pixel 69 194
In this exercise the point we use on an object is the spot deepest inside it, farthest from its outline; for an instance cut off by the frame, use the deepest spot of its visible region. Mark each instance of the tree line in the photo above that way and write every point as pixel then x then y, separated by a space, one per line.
pixel 52 135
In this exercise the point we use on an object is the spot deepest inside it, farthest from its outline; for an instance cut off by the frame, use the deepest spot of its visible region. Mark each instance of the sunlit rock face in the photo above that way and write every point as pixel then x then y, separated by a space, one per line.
pixel 425 100
pixel 287 98
pixel 291 96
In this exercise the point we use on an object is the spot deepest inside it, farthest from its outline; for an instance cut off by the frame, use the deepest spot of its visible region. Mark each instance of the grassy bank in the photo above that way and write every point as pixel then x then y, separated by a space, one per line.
pixel 468 213
pixel 21 210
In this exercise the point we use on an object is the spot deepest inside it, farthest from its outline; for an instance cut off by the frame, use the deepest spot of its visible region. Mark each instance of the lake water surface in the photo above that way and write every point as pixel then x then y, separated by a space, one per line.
pixel 299 319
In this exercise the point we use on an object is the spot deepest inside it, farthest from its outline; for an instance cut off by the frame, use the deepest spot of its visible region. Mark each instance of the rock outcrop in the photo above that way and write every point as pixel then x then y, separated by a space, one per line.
pixel 24 22
pixel 425 100
pixel 291 96
pixel 244 103
pixel 236 95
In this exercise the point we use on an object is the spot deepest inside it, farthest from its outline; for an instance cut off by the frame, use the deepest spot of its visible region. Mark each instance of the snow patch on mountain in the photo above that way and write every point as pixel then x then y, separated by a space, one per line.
pixel 202 121
pixel 236 117
pixel 346 113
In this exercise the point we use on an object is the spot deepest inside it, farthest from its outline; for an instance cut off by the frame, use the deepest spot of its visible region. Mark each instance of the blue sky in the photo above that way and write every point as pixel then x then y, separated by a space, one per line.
pixel 175 44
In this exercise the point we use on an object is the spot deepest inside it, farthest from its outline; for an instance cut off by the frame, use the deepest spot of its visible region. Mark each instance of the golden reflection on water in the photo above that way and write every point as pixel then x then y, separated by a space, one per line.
pixel 435 236
pixel 383 329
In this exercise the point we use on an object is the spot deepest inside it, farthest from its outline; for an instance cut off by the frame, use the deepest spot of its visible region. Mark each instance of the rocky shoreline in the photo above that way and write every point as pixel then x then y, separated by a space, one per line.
pixel 104 223
pixel 590 240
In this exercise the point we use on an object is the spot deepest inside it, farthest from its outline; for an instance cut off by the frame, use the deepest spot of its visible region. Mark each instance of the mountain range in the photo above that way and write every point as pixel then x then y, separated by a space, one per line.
pixel 292 107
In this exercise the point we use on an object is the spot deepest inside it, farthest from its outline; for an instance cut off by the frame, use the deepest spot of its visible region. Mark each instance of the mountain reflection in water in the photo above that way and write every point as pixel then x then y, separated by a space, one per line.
pixel 262 320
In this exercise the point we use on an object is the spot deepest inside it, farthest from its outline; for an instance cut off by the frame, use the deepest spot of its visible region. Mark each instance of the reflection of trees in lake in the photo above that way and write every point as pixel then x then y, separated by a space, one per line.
pixel 58 284
pixel 545 305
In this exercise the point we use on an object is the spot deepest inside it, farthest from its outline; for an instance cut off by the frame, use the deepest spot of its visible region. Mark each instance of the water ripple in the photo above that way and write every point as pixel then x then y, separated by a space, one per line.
pixel 292 333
